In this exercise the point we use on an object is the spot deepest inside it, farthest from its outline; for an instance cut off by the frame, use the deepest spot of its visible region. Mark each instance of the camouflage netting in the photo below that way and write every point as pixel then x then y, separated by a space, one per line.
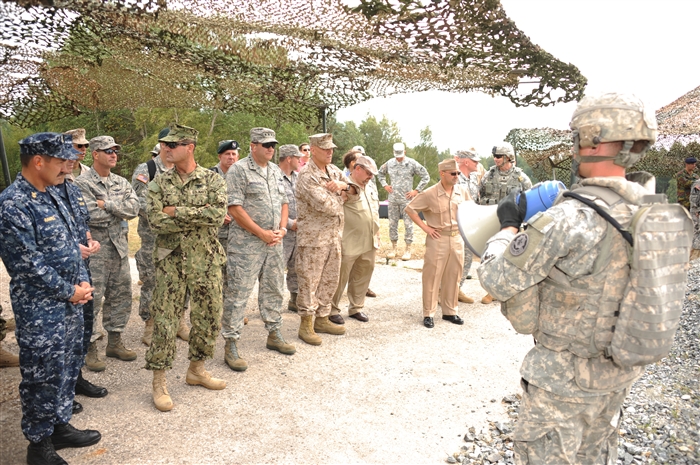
pixel 546 150
pixel 283 58
pixel 679 121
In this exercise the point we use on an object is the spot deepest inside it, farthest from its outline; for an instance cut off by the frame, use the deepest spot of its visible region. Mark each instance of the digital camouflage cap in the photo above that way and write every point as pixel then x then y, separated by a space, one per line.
pixel 289 150
pixel 103 143
pixel 179 133
pixel 51 144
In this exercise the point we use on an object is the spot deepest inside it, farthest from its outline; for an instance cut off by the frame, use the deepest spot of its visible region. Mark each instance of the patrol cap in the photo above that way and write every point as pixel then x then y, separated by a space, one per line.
pixel 399 149
pixel 262 136
pixel 469 153
pixel 225 145
pixel 103 143
pixel 163 132
pixel 289 150
pixel 156 150
pixel 51 144
pixel 322 141
pixel 359 148
pixel 367 163
pixel 178 132
pixel 691 160
pixel 78 136
pixel 447 165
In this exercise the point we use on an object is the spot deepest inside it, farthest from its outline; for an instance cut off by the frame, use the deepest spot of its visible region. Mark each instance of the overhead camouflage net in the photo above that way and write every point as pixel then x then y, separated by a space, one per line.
pixel 546 150
pixel 283 58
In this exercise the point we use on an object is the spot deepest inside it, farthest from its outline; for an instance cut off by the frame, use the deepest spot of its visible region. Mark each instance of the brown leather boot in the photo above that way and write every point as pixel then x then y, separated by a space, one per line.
pixel 198 376
pixel 307 333
pixel 487 299
pixel 161 398
pixel 116 349
pixel 292 304
pixel 462 297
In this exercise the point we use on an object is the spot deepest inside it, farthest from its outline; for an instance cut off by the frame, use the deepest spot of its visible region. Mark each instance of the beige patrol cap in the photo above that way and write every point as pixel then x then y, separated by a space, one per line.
pixel 447 165
pixel 322 141
pixel 367 163
pixel 78 136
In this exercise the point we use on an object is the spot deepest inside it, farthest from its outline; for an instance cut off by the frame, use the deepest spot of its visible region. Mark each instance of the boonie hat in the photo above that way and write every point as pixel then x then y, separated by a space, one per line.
pixel 322 141
pixel 367 163
pixel 51 144
pixel 262 136
pixel 289 150
pixel 447 165
pixel 78 136
pixel 178 132
pixel 103 143
pixel 225 145
pixel 399 149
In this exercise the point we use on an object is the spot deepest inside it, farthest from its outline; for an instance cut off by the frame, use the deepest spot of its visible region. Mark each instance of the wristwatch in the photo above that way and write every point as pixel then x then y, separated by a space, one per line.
pixel 284 229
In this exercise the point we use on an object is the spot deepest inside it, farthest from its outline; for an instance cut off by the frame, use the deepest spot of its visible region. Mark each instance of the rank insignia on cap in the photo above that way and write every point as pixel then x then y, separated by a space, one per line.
pixel 519 244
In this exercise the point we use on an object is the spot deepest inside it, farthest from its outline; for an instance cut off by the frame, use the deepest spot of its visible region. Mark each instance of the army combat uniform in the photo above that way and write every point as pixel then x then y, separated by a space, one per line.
pixel 111 274
pixel 401 177
pixel 561 280
pixel 42 257
pixel 694 202
pixel 496 184
pixel 249 258
pixel 684 181
pixel 471 185
pixel 187 256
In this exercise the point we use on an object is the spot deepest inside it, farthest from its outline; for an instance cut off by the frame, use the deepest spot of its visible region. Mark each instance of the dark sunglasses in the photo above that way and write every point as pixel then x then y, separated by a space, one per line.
pixel 110 151
pixel 173 145
pixel 269 145
pixel 82 146
pixel 498 156
pixel 454 173
pixel 306 150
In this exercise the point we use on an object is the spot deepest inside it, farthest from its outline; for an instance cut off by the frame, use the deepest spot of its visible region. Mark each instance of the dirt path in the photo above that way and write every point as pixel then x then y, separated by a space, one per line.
pixel 389 391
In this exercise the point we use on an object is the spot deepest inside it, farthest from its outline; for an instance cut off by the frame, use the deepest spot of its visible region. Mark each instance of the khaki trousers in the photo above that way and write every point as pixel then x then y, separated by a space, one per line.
pixel 355 273
pixel 442 270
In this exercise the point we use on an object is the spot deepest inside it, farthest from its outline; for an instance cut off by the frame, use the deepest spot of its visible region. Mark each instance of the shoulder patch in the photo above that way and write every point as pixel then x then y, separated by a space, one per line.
pixel 143 178
pixel 519 244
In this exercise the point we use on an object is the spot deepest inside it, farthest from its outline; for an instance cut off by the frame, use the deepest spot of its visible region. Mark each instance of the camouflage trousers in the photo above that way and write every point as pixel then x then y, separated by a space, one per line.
pixel 50 339
pixel 556 430
pixel 111 278
pixel 168 306
pixel 3 326
pixel 696 235
pixel 355 273
pixel 290 256
pixel 147 273
pixel 318 270
pixel 398 211
pixel 244 270
pixel 468 259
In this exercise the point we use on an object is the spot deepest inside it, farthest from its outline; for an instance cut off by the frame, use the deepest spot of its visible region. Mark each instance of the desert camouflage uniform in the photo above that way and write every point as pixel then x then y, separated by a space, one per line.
pixel 319 231
pixel 43 260
pixel 401 177
pixel 564 251
pixel 289 183
pixel 472 186
pixel 496 184
pixel 111 274
pixel 188 257
pixel 249 258
pixel 684 181
pixel 144 256
pixel 694 202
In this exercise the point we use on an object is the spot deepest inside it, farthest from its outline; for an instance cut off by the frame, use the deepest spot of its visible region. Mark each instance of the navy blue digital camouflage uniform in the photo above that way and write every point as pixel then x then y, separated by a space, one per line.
pixel 43 260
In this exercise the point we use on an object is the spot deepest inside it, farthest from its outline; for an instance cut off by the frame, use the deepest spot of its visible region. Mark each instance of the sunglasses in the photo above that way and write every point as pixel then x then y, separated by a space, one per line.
pixel 306 150
pixel 454 173
pixel 82 146
pixel 498 156
pixel 173 145
pixel 110 151
pixel 269 145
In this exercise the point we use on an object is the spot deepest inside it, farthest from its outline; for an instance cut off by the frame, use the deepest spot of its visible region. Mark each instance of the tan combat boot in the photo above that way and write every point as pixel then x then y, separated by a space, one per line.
pixel 275 341
pixel 148 332
pixel 183 331
pixel 92 360
pixel 392 253
pixel 198 376
pixel 10 324
pixel 292 305
pixel 323 325
pixel 306 331
pixel 462 297
pixel 231 357
pixel 160 393
pixel 8 359
pixel 407 253
pixel 116 349
pixel 487 299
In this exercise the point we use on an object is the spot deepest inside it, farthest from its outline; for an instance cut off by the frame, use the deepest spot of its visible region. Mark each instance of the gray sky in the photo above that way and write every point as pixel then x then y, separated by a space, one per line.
pixel 646 47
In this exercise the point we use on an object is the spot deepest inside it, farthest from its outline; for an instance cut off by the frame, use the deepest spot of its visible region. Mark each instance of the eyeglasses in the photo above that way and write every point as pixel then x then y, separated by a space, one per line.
pixel 173 145
pixel 269 145
pixel 306 150
pixel 454 173
pixel 81 146
pixel 110 151
pixel 498 156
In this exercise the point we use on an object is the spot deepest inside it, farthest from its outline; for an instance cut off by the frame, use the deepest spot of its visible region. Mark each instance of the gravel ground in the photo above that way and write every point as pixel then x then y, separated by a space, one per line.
pixel 389 391
pixel 661 422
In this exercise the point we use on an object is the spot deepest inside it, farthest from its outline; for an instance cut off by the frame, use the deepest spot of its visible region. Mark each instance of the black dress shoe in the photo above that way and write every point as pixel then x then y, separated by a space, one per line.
pixel 359 316
pixel 370 293
pixel 67 436
pixel 86 388
pixel 428 322
pixel 77 407
pixel 337 319
pixel 453 319
pixel 43 453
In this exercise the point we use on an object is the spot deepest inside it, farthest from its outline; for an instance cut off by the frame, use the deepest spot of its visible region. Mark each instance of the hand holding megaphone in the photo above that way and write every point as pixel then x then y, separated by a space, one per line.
pixel 511 209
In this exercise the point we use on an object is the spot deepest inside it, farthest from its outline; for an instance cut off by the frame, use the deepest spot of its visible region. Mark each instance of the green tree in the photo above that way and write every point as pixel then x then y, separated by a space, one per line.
pixel 427 155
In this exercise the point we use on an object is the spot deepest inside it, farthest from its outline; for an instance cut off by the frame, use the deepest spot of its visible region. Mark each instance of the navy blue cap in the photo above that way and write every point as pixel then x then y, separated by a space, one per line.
pixel 163 132
pixel 690 160
pixel 51 144
pixel 225 145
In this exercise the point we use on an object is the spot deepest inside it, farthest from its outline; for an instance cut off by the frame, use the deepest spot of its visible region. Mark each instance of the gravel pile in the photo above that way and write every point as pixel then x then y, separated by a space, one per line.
pixel 661 422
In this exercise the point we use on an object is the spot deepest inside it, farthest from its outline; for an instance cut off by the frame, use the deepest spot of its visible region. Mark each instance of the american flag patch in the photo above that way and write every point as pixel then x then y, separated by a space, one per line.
pixel 143 178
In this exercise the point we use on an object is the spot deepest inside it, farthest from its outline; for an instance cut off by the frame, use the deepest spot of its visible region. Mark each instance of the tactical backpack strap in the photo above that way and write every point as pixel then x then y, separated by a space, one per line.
pixel 151 169
pixel 625 234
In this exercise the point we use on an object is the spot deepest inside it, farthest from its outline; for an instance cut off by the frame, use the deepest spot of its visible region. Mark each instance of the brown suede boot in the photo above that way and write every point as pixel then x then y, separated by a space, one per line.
pixel 462 297
pixel 231 357
pixel 116 349
pixel 8 359
pixel 487 299
pixel 148 332
pixel 322 325
pixel 198 376
pixel 306 331
pixel 292 304
pixel 275 341
pixel 161 398
pixel 183 331
pixel 92 360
